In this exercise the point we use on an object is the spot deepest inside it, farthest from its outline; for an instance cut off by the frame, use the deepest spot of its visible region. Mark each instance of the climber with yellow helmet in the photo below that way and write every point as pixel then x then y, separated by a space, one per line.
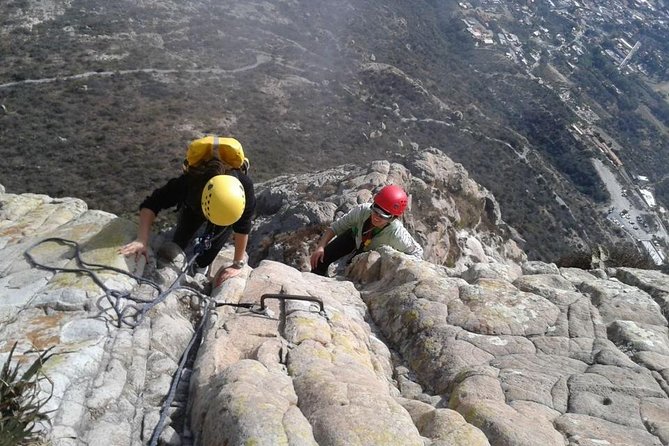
pixel 215 190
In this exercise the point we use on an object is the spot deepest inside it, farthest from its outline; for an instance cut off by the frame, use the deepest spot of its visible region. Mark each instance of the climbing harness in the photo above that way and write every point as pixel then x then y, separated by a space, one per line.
pixel 204 242
pixel 141 306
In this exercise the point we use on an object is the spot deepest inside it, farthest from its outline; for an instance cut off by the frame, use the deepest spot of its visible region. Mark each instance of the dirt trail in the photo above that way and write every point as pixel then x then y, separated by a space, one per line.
pixel 260 59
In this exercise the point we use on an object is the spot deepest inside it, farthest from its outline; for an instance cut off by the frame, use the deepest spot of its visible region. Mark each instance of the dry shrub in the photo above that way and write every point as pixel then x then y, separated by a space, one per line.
pixel 21 401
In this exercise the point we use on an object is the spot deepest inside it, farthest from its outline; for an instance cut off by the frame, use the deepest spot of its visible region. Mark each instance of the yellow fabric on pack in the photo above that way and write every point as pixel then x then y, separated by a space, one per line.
pixel 229 151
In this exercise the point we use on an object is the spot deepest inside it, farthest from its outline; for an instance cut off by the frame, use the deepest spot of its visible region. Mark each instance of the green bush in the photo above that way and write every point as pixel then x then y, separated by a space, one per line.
pixel 21 402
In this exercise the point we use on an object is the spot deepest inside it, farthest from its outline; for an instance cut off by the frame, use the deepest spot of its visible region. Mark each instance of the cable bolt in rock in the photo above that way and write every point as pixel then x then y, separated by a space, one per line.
pixel 284 297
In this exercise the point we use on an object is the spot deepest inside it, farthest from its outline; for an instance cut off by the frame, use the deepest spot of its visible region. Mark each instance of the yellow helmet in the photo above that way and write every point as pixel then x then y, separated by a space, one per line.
pixel 228 150
pixel 223 200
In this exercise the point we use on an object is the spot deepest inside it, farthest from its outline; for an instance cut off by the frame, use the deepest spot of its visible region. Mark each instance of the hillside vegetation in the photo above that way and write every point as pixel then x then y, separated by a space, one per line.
pixel 303 85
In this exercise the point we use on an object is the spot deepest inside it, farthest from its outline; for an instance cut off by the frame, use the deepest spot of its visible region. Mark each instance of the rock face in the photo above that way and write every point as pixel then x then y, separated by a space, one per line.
pixel 473 346
pixel 457 222
pixel 107 382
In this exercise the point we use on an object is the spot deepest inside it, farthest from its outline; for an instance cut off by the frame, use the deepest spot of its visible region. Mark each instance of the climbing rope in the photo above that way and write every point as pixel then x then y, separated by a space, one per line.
pixel 142 306
pixel 176 378
pixel 132 314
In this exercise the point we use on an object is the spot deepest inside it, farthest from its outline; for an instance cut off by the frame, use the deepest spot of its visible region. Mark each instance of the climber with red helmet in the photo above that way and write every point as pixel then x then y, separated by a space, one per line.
pixel 214 190
pixel 366 227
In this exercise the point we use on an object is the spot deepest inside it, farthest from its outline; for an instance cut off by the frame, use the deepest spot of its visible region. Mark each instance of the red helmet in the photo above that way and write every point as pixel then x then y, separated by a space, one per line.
pixel 392 199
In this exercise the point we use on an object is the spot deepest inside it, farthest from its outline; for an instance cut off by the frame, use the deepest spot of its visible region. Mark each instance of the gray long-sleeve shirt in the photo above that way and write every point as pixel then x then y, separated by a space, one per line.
pixel 394 234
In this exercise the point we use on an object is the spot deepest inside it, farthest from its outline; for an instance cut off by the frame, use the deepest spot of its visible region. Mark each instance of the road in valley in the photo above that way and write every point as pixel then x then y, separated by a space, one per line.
pixel 630 213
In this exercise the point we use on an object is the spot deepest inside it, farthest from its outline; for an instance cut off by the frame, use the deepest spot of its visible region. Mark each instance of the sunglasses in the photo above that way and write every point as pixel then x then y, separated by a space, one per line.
pixel 381 213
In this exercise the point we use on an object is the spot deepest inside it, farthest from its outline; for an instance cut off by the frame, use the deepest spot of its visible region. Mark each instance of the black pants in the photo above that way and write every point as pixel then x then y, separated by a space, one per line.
pixel 339 247
pixel 187 225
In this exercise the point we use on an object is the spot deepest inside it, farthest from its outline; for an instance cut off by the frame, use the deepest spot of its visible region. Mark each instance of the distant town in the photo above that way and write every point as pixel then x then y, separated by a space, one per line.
pixel 590 19
pixel 560 33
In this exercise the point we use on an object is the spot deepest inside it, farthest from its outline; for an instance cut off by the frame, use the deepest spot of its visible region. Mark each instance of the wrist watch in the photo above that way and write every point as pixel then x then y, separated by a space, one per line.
pixel 238 264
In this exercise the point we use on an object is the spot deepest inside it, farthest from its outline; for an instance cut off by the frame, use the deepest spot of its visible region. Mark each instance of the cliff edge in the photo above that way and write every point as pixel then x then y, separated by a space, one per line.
pixel 474 345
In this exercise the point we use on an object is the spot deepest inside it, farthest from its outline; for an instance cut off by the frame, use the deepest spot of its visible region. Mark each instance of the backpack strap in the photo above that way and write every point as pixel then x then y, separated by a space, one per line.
pixel 215 153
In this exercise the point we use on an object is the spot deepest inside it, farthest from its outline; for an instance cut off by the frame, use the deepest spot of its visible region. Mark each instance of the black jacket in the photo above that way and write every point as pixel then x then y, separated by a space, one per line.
pixel 185 191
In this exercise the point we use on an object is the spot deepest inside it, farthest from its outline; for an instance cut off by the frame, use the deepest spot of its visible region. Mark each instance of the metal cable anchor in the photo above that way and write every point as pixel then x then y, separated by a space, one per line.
pixel 283 297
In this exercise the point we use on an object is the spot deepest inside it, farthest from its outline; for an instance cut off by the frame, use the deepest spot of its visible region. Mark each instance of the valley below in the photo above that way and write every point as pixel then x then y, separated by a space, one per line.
pixel 99 101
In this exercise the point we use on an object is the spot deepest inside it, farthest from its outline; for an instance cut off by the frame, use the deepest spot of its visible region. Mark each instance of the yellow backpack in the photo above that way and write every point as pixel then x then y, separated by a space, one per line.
pixel 228 150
